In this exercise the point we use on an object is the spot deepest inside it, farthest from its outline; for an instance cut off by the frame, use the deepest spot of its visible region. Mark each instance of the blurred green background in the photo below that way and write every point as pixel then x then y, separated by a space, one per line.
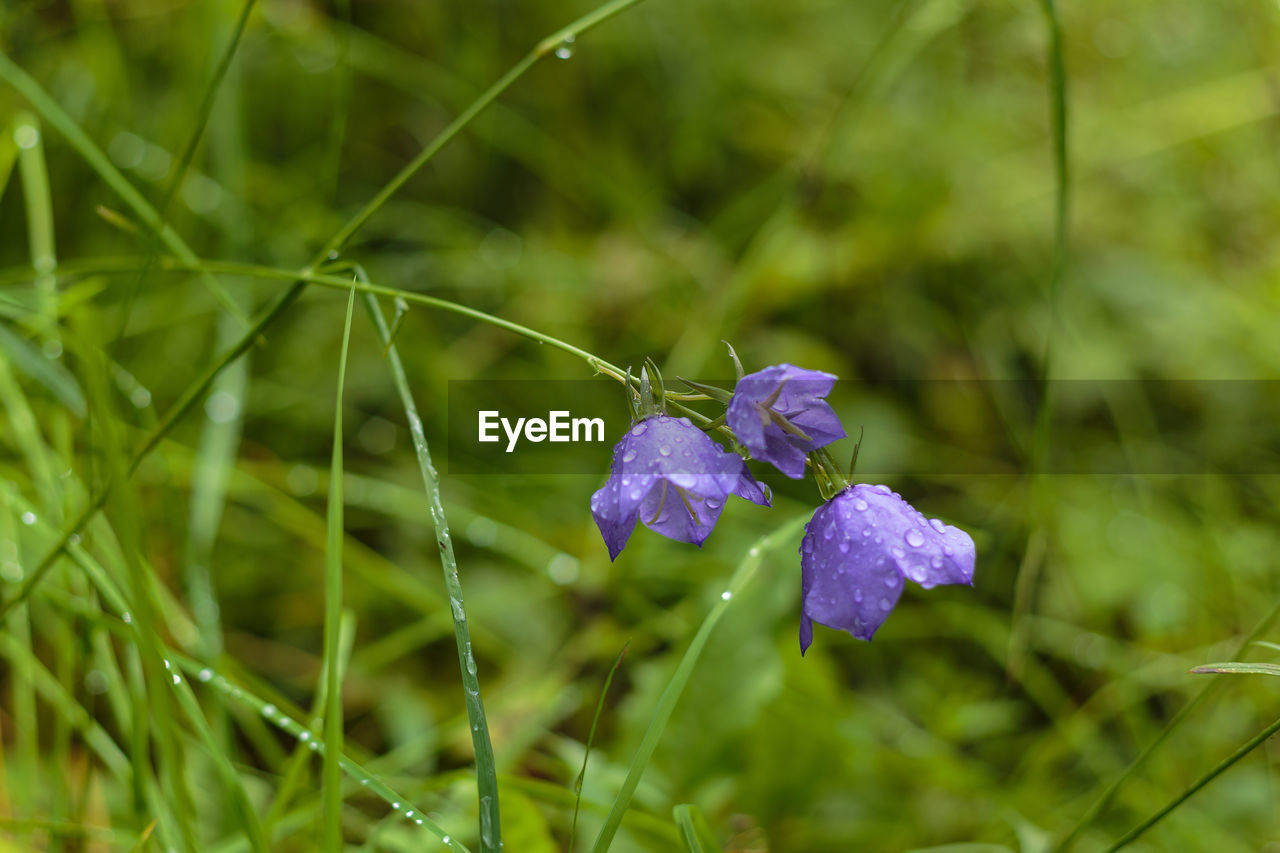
pixel 866 188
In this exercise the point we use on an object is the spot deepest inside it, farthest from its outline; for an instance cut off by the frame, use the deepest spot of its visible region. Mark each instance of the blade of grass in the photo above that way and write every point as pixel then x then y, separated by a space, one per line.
pixel 184 162
pixel 331 777
pixel 486 770
pixel 40 239
pixel 671 694
pixel 1105 798
pixel 695 832
pixel 1223 766
pixel 586 752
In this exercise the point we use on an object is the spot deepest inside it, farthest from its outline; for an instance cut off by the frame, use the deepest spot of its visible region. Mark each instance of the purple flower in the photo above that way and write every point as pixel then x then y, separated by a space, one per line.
pixel 779 415
pixel 858 548
pixel 673 477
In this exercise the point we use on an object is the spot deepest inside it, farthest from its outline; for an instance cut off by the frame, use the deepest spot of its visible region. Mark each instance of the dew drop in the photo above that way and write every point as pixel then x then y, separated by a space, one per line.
pixel 446 839
pixel 664 450
pixel 629 456
pixel 897 552
pixel 860 505
pixel 28 518
pixel 268 711
pixel 639 429
pixel 304 736
pixel 914 538
pixel 714 503
pixel 866 531
pixel 395 805
pixel 127 617
pixel 936 524
pixel 888 581
pixel 177 679
pixel 884 490
pixel 726 595
pixel 844 546
pixel 204 674
pixel 884 604
pixel 936 562
pixel 857 594
pixel 635 494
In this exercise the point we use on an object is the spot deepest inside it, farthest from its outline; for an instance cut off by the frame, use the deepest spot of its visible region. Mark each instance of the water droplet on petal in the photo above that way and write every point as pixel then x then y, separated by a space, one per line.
pixel 857 594
pixel 888 581
pixel 897 552
pixel 828 532
pixel 844 546
pixel 936 562
pixel 635 494
pixel 860 505
pixel 936 524
pixel 639 428
pixel 713 503
pixel 629 456
pixel 884 490
pixel 914 538
pixel 884 604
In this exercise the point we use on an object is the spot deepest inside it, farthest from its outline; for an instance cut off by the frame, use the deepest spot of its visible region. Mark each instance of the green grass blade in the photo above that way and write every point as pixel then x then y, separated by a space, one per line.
pixel 695 832
pixel 1223 766
pixel 1105 798
pixel 1239 667
pixel 331 778
pixel 486 770
pixel 40 232
pixel 586 752
pixel 671 695
pixel 184 162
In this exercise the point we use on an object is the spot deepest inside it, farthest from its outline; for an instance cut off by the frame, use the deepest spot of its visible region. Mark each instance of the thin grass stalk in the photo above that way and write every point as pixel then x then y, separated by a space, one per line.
pixel 184 163
pixel 680 678
pixel 331 776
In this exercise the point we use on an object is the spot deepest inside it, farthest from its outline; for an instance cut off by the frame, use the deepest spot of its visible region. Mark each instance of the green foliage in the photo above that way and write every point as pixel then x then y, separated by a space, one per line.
pixel 877 189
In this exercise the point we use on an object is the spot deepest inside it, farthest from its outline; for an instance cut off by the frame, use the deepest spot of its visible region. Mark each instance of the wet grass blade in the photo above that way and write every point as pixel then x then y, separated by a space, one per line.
pixel 486 770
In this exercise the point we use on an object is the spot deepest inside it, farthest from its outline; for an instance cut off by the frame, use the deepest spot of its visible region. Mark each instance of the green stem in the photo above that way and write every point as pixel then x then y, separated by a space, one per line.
pixel 1248 747
pixel 331 775
pixel 671 695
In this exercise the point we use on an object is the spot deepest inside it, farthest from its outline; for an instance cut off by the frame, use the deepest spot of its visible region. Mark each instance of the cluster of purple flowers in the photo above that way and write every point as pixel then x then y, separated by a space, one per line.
pixel 859 548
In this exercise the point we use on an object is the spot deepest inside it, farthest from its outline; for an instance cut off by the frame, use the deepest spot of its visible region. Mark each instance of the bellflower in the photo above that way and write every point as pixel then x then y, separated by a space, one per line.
pixel 859 548
pixel 669 474
pixel 779 415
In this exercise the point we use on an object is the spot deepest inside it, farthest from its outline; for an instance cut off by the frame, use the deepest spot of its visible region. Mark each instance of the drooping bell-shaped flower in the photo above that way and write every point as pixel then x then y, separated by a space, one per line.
pixel 857 552
pixel 779 414
pixel 670 475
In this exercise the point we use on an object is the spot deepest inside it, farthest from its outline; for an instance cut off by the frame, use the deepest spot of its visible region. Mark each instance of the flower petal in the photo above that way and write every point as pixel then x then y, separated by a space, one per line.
pixel 859 548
